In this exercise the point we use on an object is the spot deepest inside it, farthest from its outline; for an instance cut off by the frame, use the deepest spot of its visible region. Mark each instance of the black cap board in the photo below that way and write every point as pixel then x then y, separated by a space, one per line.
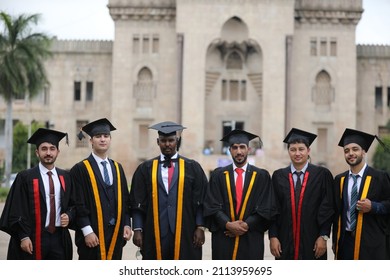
pixel 298 135
pixel 238 136
pixel 361 138
pixel 47 135
pixel 100 126
pixel 167 128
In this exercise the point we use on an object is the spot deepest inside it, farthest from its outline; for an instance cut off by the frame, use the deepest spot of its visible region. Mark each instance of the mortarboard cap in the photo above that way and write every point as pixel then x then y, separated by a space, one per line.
pixel 167 128
pixel 238 136
pixel 100 126
pixel 47 135
pixel 297 135
pixel 363 139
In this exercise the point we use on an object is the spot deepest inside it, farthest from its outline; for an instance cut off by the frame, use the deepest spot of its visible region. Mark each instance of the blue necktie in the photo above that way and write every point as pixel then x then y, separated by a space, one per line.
pixel 354 199
pixel 105 172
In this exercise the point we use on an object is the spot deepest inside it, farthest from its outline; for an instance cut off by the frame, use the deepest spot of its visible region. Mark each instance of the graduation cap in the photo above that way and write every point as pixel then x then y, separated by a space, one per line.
pixel 296 135
pixel 100 126
pixel 47 135
pixel 361 138
pixel 167 128
pixel 238 136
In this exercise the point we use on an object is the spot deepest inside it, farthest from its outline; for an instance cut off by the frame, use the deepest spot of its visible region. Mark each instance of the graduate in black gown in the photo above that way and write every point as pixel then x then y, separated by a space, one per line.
pixel 360 227
pixel 104 218
pixel 238 208
pixel 167 201
pixel 39 229
pixel 304 197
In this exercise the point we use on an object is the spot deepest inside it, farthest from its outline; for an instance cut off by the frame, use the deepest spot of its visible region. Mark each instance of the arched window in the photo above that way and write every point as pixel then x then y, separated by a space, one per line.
pixel 144 88
pixel 323 93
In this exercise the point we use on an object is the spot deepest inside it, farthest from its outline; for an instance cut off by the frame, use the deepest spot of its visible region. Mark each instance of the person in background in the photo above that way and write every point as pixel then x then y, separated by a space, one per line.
pixel 167 201
pixel 362 196
pixel 304 198
pixel 41 205
pixel 104 221
pixel 239 204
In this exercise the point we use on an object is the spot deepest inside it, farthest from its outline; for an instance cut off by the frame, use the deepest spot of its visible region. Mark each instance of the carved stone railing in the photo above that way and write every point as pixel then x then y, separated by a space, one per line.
pixel 326 11
pixel 162 10
pixel 373 51
pixel 82 46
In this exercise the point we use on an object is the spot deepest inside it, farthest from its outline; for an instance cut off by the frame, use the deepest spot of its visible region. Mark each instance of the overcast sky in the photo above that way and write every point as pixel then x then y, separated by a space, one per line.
pixel 89 19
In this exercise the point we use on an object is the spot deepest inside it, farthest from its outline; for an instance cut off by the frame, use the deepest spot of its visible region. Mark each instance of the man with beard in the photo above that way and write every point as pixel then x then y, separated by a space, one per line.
pixel 362 201
pixel 239 204
pixel 40 205
pixel 167 201
pixel 304 198
pixel 104 218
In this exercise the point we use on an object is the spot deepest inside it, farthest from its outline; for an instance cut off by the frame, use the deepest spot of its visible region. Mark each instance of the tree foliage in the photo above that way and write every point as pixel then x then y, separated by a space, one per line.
pixel 22 72
pixel 20 147
pixel 381 159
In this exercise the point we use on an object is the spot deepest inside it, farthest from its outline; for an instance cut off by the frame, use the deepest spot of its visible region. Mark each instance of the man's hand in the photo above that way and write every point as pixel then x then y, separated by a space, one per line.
pixel 319 247
pixel 64 220
pixel 91 240
pixel 275 247
pixel 236 228
pixel 364 205
pixel 138 238
pixel 27 245
pixel 127 233
pixel 199 238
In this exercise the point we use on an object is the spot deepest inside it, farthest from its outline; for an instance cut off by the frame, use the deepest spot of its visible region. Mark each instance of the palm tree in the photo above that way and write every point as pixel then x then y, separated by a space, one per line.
pixel 22 72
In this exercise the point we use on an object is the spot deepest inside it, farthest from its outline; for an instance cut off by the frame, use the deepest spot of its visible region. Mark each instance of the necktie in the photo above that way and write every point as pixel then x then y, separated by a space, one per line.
pixel 52 215
pixel 354 199
pixel 298 186
pixel 239 188
pixel 171 169
pixel 105 172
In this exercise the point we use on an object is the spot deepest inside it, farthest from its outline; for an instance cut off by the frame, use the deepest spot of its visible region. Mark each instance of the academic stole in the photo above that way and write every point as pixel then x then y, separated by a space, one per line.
pixel 179 209
pixel 359 220
pixel 99 212
pixel 38 220
pixel 296 215
pixel 243 207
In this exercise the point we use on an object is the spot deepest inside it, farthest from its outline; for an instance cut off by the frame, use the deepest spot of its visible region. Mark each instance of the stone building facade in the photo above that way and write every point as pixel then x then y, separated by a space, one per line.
pixel 259 65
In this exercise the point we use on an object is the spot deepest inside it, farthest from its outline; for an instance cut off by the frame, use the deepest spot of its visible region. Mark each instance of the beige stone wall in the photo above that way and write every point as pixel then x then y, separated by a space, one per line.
pixel 180 34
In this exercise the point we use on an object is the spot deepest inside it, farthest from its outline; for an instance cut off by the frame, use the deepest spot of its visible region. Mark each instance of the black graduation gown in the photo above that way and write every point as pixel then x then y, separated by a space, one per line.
pixel 100 206
pixel 316 212
pixel 370 233
pixel 24 213
pixel 220 202
pixel 180 205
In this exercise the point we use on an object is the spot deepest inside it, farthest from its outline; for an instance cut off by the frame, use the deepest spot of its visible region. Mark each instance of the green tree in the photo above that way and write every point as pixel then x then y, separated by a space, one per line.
pixel 22 72
pixel 19 157
pixel 381 158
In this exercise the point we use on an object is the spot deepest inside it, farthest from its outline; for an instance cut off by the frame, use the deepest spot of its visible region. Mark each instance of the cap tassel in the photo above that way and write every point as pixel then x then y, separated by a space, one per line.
pixel 80 135
pixel 66 139
pixel 385 147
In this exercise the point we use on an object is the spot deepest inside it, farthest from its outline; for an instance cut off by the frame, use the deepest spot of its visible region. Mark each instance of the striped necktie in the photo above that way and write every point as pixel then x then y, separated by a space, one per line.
pixel 105 172
pixel 354 199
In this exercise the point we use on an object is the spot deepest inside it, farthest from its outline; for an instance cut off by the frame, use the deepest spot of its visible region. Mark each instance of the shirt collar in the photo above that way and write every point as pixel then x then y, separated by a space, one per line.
pixel 98 159
pixel 244 167
pixel 361 172
pixel 44 170
pixel 293 169
pixel 162 157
